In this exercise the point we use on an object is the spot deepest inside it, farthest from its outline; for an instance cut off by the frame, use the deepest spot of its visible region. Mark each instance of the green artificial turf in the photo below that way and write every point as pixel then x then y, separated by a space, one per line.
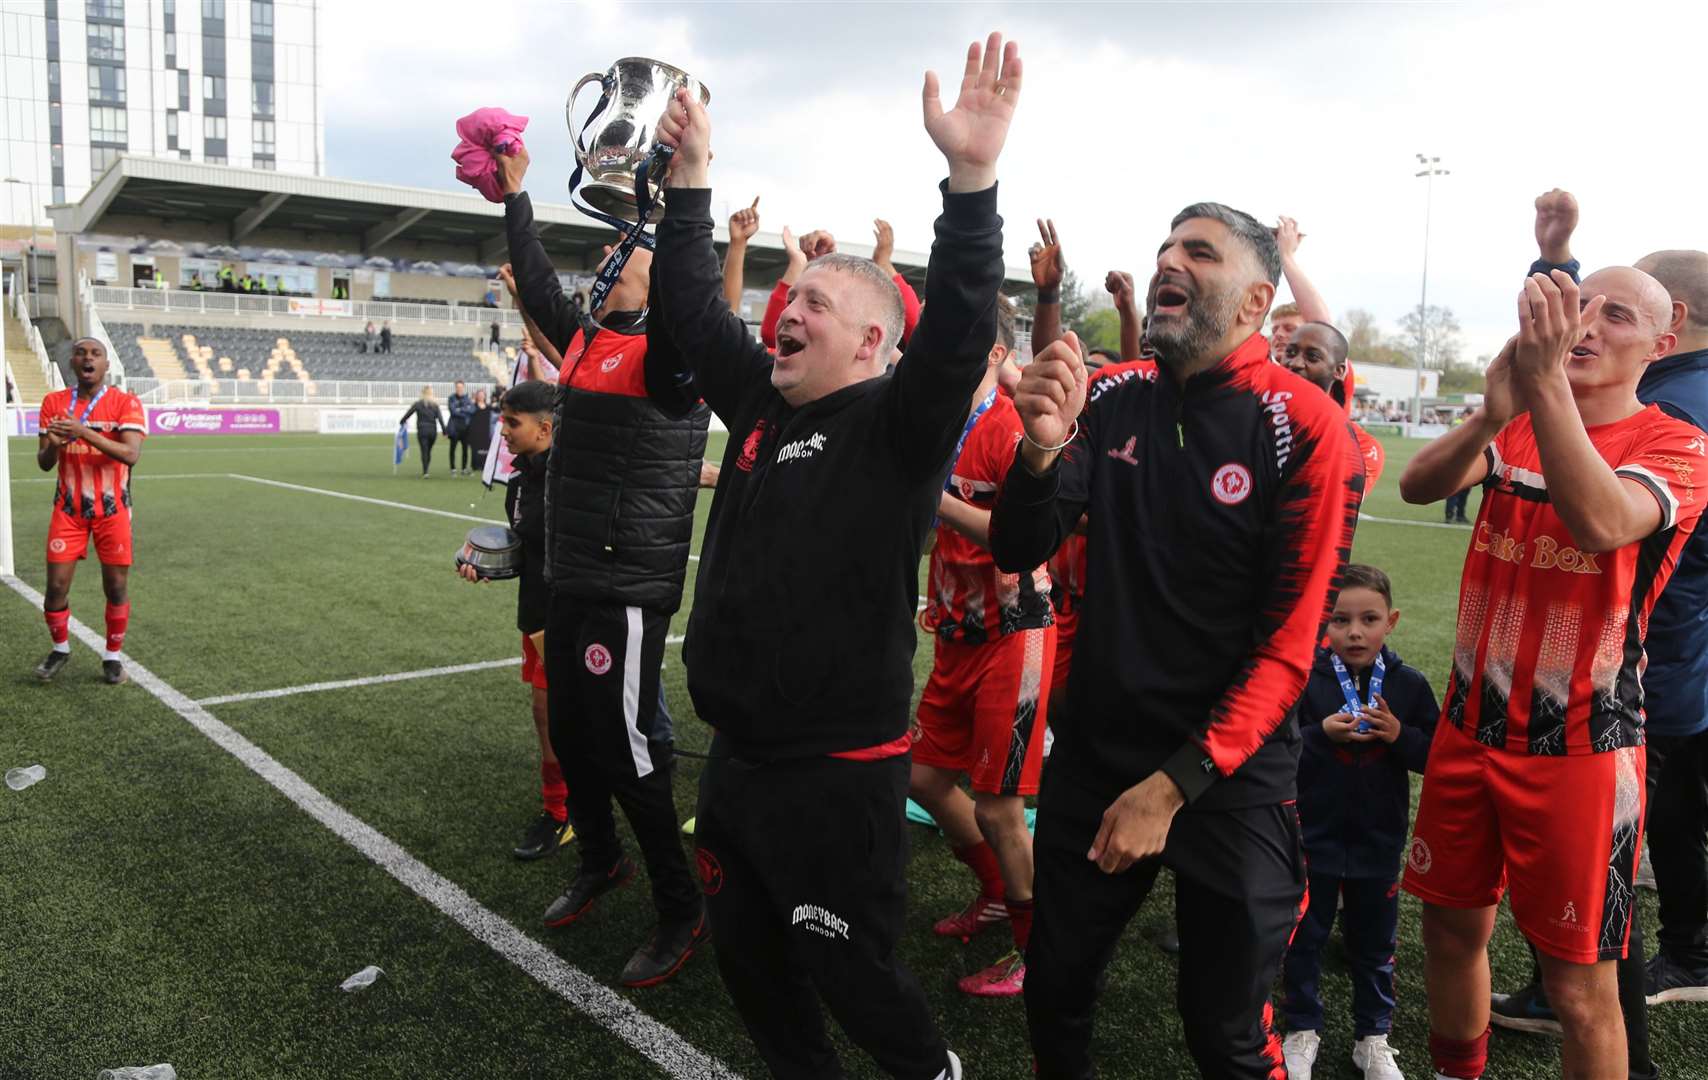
pixel 160 902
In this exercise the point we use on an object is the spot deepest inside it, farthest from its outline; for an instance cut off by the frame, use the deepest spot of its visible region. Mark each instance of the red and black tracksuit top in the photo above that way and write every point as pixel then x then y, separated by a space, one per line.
pixel 1220 515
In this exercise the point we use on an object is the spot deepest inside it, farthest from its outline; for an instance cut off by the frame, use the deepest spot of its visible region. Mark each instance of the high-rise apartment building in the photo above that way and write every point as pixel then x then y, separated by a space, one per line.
pixel 228 82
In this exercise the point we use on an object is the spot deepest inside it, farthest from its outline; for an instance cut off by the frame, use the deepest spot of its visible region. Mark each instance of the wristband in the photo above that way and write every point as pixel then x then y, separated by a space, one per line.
pixel 1050 296
pixel 1073 433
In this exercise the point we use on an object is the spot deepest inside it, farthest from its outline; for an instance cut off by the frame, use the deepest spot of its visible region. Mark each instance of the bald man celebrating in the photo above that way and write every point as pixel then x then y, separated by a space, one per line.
pixel 1536 776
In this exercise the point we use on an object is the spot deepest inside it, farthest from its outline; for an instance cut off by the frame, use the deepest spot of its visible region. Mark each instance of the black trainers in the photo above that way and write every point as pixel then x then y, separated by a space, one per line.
pixel 1665 981
pixel 113 673
pixel 544 837
pixel 1166 937
pixel 586 888
pixel 53 665
pixel 665 952
pixel 1527 1010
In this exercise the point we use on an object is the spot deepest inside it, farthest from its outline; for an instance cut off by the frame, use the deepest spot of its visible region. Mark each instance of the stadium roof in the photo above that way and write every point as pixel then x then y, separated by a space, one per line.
pixel 369 215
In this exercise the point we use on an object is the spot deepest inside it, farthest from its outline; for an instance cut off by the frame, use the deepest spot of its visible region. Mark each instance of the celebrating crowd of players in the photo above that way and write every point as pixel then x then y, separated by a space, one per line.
pixel 1146 561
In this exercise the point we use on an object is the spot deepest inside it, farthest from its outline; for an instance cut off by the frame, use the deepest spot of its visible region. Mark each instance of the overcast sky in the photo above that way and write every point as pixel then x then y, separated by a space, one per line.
pixel 1128 114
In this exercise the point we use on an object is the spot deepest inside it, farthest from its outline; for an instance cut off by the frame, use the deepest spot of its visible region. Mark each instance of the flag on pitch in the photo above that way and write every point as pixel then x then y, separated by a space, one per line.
pixel 399 446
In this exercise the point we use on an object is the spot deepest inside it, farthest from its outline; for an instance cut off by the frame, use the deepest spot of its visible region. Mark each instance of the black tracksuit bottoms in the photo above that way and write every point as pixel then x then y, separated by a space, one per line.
pixel 602 665
pixel 426 440
pixel 1678 844
pixel 802 862
pixel 1239 882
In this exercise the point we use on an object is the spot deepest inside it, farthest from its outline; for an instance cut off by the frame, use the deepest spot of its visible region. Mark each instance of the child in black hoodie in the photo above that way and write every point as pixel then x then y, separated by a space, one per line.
pixel 526 424
pixel 1367 720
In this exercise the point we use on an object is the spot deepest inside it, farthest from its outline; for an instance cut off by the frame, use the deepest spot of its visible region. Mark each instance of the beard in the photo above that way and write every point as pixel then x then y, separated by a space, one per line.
pixel 1179 343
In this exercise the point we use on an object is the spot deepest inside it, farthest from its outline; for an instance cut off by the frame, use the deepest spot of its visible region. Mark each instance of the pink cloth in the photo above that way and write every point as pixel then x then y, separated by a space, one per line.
pixel 481 135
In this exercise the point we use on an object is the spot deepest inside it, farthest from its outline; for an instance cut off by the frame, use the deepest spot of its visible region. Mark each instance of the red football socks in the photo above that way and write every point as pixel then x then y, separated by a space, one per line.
pixel 1020 921
pixel 118 620
pixel 1463 1059
pixel 981 860
pixel 553 790
pixel 59 625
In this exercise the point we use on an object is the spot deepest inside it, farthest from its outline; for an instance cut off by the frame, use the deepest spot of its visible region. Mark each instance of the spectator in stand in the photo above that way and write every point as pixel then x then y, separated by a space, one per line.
pixel 370 338
pixel 494 338
pixel 227 279
pixel 385 338
pixel 1366 721
pixel 429 421
pixel 461 408
pixel 484 419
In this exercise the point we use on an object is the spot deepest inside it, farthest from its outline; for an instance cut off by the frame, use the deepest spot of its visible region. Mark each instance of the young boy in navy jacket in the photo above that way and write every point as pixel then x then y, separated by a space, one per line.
pixel 1367 720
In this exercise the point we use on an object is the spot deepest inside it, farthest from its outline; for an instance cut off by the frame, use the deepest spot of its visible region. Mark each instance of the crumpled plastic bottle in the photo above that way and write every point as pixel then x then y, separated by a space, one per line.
pixel 139 1072
pixel 19 779
pixel 362 979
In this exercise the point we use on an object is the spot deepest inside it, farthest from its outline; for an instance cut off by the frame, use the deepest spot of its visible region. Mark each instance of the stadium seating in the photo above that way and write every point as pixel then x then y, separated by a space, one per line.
pixel 177 351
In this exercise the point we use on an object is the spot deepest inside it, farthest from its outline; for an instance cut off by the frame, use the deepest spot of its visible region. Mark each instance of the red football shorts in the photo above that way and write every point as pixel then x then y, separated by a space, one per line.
pixel 68 537
pixel 1560 832
pixel 1066 624
pixel 533 664
pixel 985 709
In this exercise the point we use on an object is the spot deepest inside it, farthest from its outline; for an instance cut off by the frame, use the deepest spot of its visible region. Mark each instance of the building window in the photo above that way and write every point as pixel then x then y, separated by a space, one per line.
pixel 213 9
pixel 106 42
pixel 215 159
pixel 107 84
pixel 184 90
pixel 171 8
pixel 264 137
pixel 268 163
pixel 261 18
pixel 171 129
pixel 107 124
pixel 213 127
pixel 113 10
pixel 262 99
pixel 53 78
pixel 213 86
pixel 183 155
pixel 213 50
pixel 171 48
pixel 100 157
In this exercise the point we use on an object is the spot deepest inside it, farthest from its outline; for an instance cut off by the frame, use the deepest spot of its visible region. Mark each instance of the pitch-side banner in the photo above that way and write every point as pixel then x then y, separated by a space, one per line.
pixel 308 305
pixel 359 421
pixel 174 421
pixel 22 421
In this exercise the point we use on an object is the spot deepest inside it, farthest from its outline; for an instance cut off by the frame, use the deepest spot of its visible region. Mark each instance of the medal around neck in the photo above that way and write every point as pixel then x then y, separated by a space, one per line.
pixel 494 551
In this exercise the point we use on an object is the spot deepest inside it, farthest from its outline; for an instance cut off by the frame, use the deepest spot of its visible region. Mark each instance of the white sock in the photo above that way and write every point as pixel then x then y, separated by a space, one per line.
pixel 62 646
pixel 108 654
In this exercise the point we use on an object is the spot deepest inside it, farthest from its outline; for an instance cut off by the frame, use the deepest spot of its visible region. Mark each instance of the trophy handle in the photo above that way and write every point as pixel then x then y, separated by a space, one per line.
pixel 569 113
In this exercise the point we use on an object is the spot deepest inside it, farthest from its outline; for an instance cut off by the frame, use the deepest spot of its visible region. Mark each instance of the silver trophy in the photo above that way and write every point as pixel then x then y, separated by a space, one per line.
pixel 614 141
pixel 494 551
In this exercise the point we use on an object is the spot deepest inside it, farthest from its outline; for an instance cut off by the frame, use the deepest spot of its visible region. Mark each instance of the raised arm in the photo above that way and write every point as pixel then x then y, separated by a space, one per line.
pixel 1119 283
pixel 950 347
pixel 1047 271
pixel 1459 459
pixel 742 225
pixel 1601 508
pixel 1312 307
pixel 537 287
pixel 1045 492
pixel 687 283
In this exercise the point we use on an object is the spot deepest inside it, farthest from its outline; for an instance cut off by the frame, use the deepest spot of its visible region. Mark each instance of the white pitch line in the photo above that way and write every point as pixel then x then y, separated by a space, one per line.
pixel 1403 521
pixel 604 1006
pixel 371 680
pixel 366 499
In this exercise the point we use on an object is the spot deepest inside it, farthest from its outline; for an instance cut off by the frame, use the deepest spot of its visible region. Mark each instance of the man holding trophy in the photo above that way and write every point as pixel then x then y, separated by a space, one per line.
pixel 621 480
pixel 799 651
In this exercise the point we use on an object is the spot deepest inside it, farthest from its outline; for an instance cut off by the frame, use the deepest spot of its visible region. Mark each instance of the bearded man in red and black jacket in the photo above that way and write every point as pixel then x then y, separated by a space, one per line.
pixel 1222 498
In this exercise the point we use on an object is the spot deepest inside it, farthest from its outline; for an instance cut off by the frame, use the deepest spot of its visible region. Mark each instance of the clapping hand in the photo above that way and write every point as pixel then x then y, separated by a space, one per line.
pixel 971 134
pixel 1500 397
pixel 883 245
pixel 1550 324
pixel 1046 256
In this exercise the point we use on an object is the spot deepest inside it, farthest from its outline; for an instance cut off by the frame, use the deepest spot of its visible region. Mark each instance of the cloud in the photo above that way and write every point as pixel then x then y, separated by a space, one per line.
pixel 1128 113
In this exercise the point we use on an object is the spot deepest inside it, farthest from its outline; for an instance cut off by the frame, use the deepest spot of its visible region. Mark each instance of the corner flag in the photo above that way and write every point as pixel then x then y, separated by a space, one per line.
pixel 399 446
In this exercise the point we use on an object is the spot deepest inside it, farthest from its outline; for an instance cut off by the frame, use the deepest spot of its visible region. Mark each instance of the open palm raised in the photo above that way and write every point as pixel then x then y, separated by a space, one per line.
pixel 972 133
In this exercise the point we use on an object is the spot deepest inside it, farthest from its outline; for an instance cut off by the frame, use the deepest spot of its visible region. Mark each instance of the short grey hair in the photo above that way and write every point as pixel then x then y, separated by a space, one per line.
pixel 1256 236
pixel 891 315
pixel 1684 275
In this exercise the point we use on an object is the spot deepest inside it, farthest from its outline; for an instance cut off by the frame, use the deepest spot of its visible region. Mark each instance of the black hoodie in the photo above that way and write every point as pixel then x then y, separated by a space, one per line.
pixel 802 635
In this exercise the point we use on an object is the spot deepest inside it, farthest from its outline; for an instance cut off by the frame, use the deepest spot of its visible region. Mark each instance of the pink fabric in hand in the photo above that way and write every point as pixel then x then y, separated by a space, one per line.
pixel 482 134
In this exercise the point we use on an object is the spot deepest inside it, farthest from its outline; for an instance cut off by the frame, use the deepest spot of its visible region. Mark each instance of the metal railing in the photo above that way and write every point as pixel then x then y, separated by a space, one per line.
pixel 287 391
pixel 193 302
pixel 90 320
pixel 32 337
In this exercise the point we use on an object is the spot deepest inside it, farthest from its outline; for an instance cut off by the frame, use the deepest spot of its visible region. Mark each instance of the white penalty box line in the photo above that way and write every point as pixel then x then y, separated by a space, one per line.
pixel 604 1006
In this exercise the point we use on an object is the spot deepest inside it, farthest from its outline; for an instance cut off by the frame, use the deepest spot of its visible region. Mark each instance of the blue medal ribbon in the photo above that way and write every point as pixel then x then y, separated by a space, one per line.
pixel 1349 689
pixel 961 444
pixel 71 410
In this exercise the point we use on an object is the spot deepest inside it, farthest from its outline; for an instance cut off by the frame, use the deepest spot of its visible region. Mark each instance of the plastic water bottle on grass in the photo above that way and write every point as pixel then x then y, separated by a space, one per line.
pixel 19 779
pixel 139 1072
pixel 361 980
